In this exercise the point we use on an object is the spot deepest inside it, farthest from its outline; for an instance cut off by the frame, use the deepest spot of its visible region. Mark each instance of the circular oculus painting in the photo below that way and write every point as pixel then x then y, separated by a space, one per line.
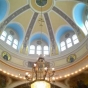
pixel 41 2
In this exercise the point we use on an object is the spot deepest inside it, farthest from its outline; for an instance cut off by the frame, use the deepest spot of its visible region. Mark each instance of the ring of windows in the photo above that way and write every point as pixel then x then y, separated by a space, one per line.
pixel 68 42
pixel 9 39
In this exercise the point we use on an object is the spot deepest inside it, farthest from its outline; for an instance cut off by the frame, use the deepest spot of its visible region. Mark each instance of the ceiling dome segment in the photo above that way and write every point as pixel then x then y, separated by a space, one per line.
pixel 38 36
pixel 19 30
pixel 78 12
pixel 3 9
pixel 62 30
pixel 36 5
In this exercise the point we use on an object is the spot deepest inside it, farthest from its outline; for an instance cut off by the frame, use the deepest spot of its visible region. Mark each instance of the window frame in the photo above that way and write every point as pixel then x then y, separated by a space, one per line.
pixel 8 40
pixel 39 50
pixel 4 36
pixel 69 44
pixel 75 39
pixel 46 50
pixel 63 46
pixel 15 45
pixel 31 49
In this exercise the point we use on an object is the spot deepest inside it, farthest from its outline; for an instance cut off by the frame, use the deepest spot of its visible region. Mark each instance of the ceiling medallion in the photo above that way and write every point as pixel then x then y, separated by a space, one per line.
pixel 41 2
pixel 36 5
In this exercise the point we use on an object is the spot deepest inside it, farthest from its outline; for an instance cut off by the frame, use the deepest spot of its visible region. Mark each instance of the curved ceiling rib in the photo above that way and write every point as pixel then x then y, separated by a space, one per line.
pixel 51 34
pixel 12 16
pixel 28 33
pixel 70 21
pixel 84 1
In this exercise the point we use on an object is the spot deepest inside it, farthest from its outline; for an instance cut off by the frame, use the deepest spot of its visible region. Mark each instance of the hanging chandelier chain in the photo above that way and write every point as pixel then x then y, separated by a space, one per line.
pixel 41 22
pixel 41 68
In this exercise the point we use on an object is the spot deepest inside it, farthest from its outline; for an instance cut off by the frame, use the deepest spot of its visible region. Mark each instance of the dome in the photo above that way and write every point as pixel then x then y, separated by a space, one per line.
pixel 55 29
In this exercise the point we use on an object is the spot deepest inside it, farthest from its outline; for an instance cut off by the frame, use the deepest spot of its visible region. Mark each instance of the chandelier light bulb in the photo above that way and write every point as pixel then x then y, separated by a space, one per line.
pixel 53 69
pixel 26 73
pixel 34 65
pixel 46 78
pixel 53 78
pixel 29 75
pixel 45 68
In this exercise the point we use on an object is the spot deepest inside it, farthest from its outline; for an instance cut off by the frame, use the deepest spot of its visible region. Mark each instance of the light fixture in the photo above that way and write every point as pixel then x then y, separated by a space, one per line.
pixel 41 74
pixel 41 71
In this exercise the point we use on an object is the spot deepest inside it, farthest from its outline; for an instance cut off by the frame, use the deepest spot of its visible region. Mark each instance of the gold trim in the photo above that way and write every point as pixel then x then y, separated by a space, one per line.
pixel 71 58
pixel 45 8
pixel 55 70
pixel 6 54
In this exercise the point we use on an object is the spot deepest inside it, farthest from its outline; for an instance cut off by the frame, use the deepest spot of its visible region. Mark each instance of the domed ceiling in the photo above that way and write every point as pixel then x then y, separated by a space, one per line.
pixel 59 17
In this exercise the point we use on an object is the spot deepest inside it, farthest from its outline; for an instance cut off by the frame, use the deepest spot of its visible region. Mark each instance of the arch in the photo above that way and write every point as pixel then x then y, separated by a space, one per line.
pixel 78 12
pixel 62 30
pixel 37 36
pixel 19 30
pixel 3 9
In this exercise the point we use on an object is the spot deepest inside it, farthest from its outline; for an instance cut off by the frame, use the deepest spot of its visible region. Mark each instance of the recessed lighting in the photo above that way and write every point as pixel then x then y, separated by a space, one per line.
pixel 8 73
pixel 0 69
pixel 76 71
pixel 80 69
pixel 86 65
pixel 72 73
pixel 4 71
pixel 60 77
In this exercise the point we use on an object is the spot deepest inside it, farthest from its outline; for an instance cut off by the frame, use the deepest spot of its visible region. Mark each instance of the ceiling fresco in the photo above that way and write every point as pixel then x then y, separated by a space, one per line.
pixel 56 14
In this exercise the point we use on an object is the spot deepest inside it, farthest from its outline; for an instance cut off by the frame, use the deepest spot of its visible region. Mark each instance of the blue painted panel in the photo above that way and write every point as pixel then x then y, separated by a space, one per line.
pixel 60 32
pixel 19 30
pixel 38 36
pixel 78 12
pixel 3 9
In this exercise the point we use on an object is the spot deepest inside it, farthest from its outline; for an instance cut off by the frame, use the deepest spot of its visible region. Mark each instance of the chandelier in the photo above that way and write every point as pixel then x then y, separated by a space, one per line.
pixel 41 74
pixel 41 71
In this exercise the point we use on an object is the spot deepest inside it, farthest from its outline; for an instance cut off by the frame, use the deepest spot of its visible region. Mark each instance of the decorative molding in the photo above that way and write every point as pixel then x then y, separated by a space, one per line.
pixel 87 45
pixel 67 35
pixel 13 15
pixel 70 21
pixel 51 34
pixel 6 56
pixel 71 58
pixel 85 1
pixel 11 32
pixel 30 29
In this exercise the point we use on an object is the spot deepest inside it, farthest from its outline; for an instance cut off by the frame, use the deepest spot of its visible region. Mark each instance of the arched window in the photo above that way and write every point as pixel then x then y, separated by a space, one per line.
pixel 63 47
pixel 15 44
pixel 3 36
pixel 39 50
pixel 32 49
pixel 9 40
pixel 46 50
pixel 75 39
pixel 69 42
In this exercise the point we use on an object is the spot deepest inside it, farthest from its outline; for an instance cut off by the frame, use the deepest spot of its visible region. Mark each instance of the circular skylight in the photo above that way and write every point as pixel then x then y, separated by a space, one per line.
pixel 41 2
